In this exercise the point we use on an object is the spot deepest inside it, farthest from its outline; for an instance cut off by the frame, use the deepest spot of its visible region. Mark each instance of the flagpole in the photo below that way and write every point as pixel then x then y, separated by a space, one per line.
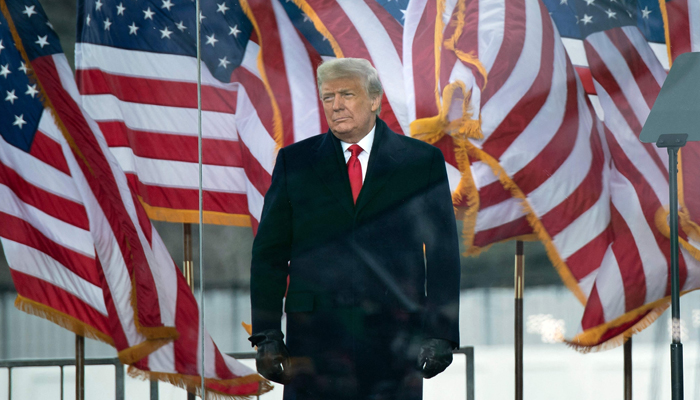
pixel 201 197
pixel 519 288
pixel 628 369
pixel 79 367
pixel 188 266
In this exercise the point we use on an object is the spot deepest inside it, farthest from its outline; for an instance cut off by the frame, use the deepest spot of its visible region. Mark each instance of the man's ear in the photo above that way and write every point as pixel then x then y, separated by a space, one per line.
pixel 376 102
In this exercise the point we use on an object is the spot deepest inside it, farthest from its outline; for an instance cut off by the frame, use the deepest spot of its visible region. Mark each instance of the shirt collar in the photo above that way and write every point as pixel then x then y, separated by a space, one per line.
pixel 365 142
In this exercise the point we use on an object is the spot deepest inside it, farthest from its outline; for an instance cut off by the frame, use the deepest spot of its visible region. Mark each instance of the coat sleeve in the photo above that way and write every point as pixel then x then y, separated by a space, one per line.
pixel 271 253
pixel 441 318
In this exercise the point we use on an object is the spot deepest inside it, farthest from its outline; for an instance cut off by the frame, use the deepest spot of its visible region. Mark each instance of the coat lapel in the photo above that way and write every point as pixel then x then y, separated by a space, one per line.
pixel 386 156
pixel 329 164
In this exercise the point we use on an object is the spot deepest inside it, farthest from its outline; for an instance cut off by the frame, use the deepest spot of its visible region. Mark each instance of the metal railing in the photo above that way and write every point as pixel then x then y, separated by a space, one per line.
pixel 66 362
pixel 119 370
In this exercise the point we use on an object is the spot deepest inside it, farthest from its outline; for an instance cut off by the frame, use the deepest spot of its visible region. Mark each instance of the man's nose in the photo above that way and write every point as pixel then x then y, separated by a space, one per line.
pixel 338 103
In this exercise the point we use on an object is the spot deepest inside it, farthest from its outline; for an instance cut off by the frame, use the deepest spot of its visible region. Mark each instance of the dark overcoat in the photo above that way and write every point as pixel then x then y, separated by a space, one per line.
pixel 367 281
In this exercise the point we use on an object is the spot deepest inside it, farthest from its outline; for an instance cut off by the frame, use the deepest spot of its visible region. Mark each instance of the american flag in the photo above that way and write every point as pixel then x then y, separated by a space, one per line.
pixel 82 251
pixel 137 74
pixel 632 282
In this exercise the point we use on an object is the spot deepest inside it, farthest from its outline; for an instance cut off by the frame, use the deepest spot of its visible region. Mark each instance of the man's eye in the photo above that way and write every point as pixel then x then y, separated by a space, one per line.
pixel 348 94
pixel 327 98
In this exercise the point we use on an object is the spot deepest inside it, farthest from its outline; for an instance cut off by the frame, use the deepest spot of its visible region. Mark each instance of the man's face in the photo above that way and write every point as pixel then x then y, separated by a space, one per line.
pixel 349 110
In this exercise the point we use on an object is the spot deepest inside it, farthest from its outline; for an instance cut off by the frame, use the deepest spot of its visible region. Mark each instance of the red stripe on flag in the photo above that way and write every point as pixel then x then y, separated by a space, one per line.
pixel 508 230
pixel 188 199
pixel 680 34
pixel 510 50
pixel 630 262
pixel 187 324
pixel 56 206
pixel 588 258
pixel 52 296
pixel 21 231
pixel 163 146
pixel 390 25
pixel 155 92
pixel 593 314
pixel 49 151
pixel 423 55
pixel 586 79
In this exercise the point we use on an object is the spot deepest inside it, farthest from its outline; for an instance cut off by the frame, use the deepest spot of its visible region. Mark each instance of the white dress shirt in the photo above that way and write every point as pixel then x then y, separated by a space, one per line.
pixel 366 144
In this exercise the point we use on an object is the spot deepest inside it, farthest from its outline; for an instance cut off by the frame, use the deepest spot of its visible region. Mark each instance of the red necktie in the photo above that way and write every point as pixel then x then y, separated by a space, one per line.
pixel 355 171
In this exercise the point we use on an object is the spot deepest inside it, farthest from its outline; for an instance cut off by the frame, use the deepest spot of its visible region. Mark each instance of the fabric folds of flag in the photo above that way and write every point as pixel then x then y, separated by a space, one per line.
pixel 81 249
pixel 536 162
pixel 632 286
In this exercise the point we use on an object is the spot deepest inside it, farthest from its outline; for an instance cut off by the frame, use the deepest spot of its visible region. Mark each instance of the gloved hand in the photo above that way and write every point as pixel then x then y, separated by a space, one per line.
pixel 435 355
pixel 272 358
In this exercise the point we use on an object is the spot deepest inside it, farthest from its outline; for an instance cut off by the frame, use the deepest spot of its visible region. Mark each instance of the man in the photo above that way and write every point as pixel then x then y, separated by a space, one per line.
pixel 361 221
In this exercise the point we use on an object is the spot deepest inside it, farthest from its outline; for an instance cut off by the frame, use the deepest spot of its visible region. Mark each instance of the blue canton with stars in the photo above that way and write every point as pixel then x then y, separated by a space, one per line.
pixel 579 18
pixel 168 26
pixel 21 106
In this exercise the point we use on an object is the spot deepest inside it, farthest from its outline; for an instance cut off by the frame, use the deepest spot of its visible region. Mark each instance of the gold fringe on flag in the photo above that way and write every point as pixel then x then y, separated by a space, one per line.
pixel 589 340
pixel 192 216
pixel 193 384
pixel 278 134
pixel 61 319
pixel 451 43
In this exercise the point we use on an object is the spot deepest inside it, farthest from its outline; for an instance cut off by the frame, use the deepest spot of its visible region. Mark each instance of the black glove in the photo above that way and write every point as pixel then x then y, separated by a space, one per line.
pixel 435 355
pixel 272 358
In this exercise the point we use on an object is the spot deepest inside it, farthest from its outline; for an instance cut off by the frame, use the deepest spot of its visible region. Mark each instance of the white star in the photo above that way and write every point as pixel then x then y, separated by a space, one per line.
pixel 562 2
pixel 165 33
pixel 223 62
pixel 611 13
pixel 167 4
pixel 49 24
pixel 87 20
pixel 31 90
pixel 645 12
pixel 234 31
pixel 24 67
pixel 587 19
pixel 42 41
pixel 201 16
pixel 181 26
pixel 19 121
pixel 404 14
pixel 306 17
pixel 98 5
pixel 148 14
pixel 29 11
pixel 11 96
pixel 120 9
pixel 108 23
pixel 589 2
pixel 5 70
pixel 222 8
pixel 1 46
pixel 133 28
pixel 212 40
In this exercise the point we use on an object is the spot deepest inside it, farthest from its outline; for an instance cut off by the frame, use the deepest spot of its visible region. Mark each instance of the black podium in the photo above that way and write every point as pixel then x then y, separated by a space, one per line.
pixel 674 120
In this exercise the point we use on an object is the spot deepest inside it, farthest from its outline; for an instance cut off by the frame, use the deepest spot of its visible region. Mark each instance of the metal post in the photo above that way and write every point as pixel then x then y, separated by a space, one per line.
pixel 118 380
pixel 61 367
pixel 469 351
pixel 676 346
pixel 154 389
pixel 628 369
pixel 9 383
pixel 187 269
pixel 519 288
pixel 79 367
